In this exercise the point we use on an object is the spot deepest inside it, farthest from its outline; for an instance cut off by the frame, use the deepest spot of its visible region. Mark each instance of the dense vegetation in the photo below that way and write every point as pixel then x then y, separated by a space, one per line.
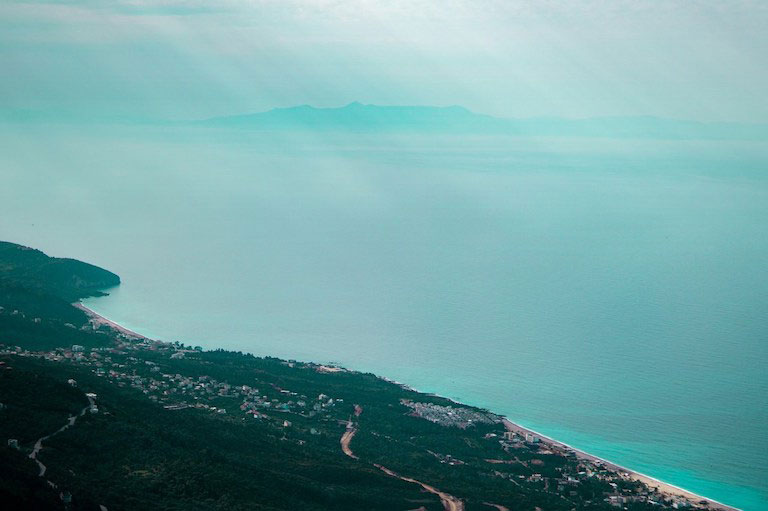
pixel 20 486
pixel 67 279
pixel 136 455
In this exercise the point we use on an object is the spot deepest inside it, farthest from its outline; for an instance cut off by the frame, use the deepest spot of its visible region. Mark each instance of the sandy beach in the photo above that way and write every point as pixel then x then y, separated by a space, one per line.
pixel 665 488
pixel 97 320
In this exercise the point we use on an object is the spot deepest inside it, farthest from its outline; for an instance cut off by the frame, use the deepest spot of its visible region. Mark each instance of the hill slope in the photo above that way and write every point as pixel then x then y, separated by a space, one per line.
pixel 36 292
pixel 67 279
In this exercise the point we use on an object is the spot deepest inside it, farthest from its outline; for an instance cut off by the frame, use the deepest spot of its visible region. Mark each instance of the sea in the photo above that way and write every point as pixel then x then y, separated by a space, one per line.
pixel 609 293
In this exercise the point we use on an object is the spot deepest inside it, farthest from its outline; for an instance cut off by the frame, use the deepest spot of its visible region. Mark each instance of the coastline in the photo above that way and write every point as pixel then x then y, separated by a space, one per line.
pixel 663 487
pixel 99 320
pixel 667 489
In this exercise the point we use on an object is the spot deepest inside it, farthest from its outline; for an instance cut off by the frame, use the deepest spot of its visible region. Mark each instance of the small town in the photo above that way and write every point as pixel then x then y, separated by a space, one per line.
pixel 120 365
pixel 625 489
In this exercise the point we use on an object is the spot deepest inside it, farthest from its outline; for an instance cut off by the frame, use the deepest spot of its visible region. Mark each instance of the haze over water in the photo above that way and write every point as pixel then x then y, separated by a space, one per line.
pixel 611 294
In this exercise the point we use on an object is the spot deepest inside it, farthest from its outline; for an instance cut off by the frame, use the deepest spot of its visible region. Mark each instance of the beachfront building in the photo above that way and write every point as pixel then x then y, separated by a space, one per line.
pixel 531 438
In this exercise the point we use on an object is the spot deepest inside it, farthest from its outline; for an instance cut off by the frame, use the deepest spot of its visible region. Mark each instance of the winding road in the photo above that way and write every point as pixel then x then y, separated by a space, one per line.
pixel 39 444
pixel 450 503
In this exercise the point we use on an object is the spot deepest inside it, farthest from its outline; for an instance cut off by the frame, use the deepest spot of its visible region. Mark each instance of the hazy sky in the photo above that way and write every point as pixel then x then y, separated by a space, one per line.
pixel 697 59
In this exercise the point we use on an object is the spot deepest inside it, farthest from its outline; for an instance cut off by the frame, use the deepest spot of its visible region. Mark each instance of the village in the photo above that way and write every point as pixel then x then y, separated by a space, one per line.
pixel 122 365
pixel 450 416
pixel 624 488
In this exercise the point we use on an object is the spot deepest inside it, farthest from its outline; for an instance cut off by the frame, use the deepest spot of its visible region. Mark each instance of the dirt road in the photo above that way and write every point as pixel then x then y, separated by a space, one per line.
pixel 450 503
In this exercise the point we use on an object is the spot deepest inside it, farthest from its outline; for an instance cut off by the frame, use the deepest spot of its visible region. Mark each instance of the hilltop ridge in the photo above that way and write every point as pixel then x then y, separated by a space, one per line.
pixel 36 292
pixel 68 279
pixel 356 116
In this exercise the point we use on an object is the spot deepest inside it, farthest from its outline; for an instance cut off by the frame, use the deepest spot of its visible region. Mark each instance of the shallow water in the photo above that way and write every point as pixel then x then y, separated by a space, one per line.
pixel 610 294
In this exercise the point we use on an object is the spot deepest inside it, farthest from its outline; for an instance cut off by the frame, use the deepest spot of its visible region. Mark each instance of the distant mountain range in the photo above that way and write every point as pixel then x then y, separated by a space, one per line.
pixel 357 117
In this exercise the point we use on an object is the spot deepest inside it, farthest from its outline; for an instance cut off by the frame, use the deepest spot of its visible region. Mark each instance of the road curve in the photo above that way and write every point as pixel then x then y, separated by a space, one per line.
pixel 39 444
pixel 346 438
pixel 450 503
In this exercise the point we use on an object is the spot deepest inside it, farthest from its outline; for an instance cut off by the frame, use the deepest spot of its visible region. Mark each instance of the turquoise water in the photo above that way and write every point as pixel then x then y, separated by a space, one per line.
pixel 611 294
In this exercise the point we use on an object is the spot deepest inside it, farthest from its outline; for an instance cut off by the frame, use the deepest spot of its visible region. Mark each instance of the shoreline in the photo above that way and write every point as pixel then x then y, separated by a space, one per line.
pixel 99 320
pixel 667 489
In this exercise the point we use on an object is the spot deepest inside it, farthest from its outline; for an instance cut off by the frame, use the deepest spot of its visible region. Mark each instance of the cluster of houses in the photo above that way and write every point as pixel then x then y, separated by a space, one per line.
pixel 623 490
pixel 175 391
pixel 450 416
pixel 256 405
